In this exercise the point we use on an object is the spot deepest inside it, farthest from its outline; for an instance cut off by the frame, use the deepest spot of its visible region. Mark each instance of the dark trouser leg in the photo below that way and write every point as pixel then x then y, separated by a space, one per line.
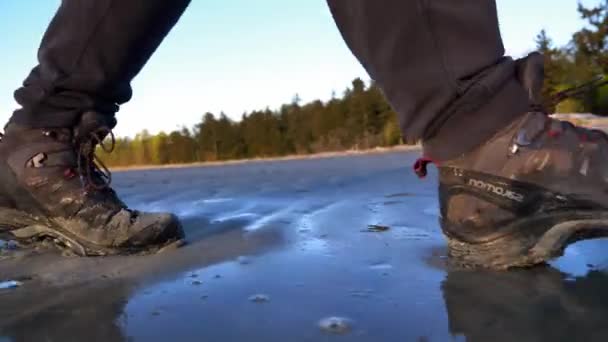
pixel 440 64
pixel 89 54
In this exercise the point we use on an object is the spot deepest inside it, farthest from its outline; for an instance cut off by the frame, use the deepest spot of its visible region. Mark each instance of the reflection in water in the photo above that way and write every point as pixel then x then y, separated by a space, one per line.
pixel 525 305
pixel 94 311
pixel 66 314
pixel 540 304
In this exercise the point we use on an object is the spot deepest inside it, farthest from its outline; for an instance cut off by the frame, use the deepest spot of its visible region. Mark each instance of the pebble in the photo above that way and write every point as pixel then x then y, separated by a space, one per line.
pixel 336 325
pixel 243 260
pixel 361 293
pixel 377 228
pixel 381 266
pixel 11 284
pixel 259 298
pixel 9 245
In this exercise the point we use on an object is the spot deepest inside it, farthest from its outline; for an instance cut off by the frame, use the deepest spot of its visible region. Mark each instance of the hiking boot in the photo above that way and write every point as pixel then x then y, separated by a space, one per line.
pixel 521 197
pixel 53 186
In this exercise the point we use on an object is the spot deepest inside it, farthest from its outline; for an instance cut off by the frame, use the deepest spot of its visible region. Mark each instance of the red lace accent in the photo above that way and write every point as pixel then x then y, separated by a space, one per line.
pixel 420 166
pixel 69 173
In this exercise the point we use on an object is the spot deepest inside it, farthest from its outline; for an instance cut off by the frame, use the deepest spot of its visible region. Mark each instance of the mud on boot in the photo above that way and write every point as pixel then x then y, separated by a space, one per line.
pixel 53 186
pixel 523 196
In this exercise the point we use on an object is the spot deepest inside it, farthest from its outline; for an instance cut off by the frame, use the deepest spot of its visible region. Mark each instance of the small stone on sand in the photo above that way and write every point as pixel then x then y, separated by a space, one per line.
pixel 259 298
pixel 11 284
pixel 9 245
pixel 243 260
pixel 336 325
pixel 376 228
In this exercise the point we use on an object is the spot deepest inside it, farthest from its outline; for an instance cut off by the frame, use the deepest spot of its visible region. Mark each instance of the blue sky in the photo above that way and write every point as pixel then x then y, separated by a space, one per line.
pixel 240 55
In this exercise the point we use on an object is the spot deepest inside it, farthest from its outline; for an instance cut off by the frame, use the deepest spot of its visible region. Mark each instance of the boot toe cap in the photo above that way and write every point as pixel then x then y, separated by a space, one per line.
pixel 155 229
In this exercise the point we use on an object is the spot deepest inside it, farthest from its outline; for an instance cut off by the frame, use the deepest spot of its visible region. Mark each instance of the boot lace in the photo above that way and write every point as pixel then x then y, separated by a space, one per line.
pixel 93 171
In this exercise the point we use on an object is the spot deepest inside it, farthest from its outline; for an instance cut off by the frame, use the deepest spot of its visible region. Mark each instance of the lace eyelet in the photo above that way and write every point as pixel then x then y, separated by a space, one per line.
pixel 50 134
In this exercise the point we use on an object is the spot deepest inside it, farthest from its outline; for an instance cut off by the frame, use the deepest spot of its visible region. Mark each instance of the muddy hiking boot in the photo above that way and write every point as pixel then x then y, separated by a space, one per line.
pixel 52 186
pixel 521 197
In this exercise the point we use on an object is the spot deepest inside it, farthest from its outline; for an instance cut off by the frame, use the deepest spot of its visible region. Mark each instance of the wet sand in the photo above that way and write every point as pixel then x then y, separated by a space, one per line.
pixel 319 155
pixel 283 251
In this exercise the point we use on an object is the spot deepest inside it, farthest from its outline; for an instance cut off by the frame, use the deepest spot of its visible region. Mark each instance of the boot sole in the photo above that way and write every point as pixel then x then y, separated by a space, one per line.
pixel 529 242
pixel 29 229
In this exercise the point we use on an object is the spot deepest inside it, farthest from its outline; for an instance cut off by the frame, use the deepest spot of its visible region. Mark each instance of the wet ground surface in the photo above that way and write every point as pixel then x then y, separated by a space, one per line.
pixel 336 249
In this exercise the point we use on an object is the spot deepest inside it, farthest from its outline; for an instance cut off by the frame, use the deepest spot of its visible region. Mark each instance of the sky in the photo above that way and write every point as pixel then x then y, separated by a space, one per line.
pixel 241 55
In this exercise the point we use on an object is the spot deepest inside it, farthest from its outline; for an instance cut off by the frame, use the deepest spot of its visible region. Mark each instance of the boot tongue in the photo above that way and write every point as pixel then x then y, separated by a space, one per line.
pixel 531 74
pixel 93 123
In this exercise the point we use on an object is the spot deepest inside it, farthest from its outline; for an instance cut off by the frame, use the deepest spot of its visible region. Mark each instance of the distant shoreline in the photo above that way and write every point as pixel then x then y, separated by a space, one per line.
pixel 284 158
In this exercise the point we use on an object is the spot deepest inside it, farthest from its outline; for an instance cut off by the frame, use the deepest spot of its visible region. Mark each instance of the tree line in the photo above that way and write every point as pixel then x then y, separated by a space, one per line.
pixel 361 118
pixel 584 58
